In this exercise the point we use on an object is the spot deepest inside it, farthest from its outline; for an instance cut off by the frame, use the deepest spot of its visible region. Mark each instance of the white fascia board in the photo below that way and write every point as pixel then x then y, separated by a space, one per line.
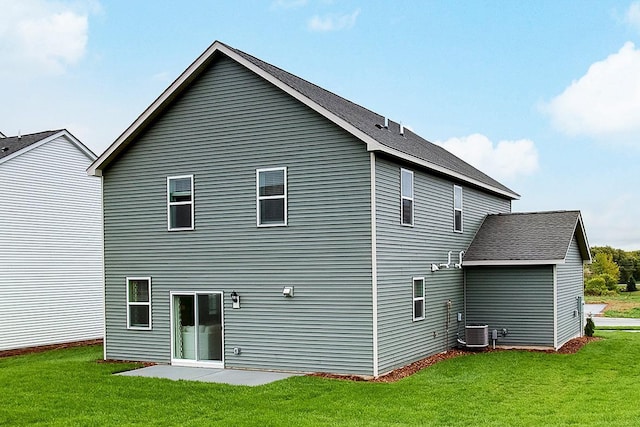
pixel 372 144
pixel 512 262
pixel 442 170
pixel 105 158
pixel 584 236
pixel 79 145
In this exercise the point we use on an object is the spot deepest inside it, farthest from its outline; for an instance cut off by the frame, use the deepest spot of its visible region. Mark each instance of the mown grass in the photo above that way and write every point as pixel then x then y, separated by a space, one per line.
pixel 623 304
pixel 596 386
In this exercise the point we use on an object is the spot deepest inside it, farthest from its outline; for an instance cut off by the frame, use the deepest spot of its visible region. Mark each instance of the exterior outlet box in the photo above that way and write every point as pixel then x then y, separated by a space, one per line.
pixel 459 317
pixel 236 304
pixel 435 334
pixel 237 350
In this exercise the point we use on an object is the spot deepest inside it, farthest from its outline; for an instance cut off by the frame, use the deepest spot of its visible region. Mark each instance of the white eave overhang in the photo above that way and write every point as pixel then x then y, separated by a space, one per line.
pixel 511 262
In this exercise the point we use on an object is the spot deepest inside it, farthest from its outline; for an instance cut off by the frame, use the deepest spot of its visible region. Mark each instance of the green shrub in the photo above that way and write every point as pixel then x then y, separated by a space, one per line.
pixel 610 281
pixel 589 327
pixel 596 286
pixel 631 284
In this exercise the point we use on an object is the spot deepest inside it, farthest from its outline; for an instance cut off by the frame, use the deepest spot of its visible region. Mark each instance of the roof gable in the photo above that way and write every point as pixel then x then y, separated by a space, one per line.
pixel 359 121
pixel 14 146
pixel 527 238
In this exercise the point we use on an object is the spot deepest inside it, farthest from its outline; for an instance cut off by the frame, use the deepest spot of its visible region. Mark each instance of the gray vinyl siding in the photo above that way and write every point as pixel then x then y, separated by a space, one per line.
pixel 225 126
pixel 517 298
pixel 405 252
pixel 569 289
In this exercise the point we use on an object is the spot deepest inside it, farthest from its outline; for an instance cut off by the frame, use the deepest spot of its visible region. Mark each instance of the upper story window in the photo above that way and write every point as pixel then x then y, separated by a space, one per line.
pixel 138 302
pixel 457 208
pixel 180 202
pixel 418 298
pixel 406 203
pixel 271 197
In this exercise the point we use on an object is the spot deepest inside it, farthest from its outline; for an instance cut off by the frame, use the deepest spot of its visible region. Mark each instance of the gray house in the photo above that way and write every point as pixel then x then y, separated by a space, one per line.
pixel 255 220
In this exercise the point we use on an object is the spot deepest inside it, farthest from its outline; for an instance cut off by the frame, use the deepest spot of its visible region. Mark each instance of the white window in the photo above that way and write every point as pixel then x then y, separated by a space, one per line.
pixel 457 208
pixel 418 298
pixel 406 202
pixel 138 302
pixel 271 190
pixel 180 203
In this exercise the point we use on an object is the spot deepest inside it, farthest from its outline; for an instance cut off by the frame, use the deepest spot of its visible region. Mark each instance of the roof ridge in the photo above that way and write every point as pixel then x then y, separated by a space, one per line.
pixel 537 212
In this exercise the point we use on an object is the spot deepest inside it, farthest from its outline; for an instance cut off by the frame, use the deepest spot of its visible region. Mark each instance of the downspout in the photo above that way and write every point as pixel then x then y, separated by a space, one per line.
pixel 374 265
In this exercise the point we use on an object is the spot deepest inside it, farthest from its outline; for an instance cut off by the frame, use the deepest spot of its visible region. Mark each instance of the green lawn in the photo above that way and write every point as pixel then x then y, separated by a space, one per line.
pixel 624 304
pixel 597 386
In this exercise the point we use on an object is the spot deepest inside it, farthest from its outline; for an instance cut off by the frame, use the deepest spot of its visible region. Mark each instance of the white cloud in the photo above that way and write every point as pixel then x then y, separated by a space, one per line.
pixel 333 22
pixel 632 17
pixel 613 222
pixel 41 36
pixel 605 102
pixel 504 160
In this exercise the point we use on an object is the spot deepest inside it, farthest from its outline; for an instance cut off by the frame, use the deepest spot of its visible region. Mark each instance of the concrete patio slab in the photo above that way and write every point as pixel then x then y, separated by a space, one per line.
pixel 594 309
pixel 212 375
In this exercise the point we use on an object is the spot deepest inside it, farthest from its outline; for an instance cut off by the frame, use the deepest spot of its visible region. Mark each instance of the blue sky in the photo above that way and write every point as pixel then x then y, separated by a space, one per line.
pixel 544 96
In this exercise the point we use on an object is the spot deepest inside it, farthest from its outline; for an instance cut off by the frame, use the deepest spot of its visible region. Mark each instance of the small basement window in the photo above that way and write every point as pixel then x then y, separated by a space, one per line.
pixel 418 298
pixel 138 302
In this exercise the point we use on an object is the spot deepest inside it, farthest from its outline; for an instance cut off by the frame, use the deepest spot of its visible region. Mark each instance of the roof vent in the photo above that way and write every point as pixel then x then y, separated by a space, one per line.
pixel 401 129
pixel 3 149
pixel 386 122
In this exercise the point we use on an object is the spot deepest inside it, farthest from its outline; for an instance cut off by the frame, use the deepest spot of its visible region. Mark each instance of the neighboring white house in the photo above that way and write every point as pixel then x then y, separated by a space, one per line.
pixel 50 242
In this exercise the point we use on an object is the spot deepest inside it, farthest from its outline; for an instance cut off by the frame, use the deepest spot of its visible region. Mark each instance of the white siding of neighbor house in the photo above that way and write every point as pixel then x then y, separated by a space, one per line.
pixel 50 248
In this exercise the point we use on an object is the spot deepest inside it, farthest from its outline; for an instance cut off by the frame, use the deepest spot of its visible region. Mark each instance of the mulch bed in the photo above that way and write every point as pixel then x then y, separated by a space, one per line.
pixel 41 348
pixel 570 347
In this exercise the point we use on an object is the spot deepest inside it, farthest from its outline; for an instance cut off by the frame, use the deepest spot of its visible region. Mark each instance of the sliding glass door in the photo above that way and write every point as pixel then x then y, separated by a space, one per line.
pixel 197 337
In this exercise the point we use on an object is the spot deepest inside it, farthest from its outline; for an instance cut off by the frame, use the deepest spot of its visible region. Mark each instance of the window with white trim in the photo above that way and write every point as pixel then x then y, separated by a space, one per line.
pixel 457 208
pixel 180 210
pixel 418 298
pixel 271 195
pixel 138 302
pixel 406 202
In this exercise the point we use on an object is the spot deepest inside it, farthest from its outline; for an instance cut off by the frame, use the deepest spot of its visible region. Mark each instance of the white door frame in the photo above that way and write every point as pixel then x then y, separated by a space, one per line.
pixel 189 362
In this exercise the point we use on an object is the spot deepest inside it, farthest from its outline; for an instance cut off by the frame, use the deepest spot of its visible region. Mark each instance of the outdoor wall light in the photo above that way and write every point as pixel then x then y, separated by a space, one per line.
pixel 235 300
pixel 287 291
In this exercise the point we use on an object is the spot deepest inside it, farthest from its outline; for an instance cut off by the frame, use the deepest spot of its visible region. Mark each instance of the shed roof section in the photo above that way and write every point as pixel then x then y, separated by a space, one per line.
pixel 359 121
pixel 527 238
pixel 12 144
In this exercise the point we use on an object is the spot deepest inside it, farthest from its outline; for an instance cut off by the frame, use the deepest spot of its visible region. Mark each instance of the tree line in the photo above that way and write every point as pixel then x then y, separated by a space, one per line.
pixel 609 268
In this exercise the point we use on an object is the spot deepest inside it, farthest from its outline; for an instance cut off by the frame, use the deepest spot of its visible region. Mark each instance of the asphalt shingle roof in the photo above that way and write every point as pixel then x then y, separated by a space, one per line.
pixel 13 144
pixel 372 124
pixel 528 237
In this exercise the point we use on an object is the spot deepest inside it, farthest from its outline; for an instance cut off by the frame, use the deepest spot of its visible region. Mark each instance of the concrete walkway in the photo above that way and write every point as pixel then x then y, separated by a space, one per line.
pixel 595 311
pixel 211 375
